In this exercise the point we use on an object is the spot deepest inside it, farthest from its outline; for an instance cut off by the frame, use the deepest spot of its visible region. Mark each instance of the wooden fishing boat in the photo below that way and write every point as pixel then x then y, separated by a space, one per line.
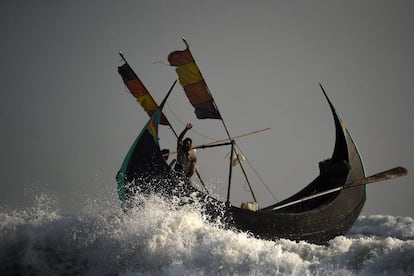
pixel 322 210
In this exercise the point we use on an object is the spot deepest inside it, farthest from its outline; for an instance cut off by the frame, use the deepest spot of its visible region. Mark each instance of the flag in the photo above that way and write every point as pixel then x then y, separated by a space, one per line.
pixel 194 85
pixel 152 125
pixel 138 90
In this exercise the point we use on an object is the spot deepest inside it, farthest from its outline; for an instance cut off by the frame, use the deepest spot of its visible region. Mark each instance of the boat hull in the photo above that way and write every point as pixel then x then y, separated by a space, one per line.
pixel 318 225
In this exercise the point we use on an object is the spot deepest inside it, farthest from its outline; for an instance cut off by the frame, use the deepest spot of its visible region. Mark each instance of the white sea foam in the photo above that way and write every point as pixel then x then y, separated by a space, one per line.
pixel 162 238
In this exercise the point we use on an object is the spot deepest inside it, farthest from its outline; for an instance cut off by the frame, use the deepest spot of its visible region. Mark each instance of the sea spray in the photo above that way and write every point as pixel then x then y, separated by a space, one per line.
pixel 380 225
pixel 161 237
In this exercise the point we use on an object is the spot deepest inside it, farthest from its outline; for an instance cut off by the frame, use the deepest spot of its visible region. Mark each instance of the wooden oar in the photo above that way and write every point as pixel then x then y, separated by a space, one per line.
pixel 385 175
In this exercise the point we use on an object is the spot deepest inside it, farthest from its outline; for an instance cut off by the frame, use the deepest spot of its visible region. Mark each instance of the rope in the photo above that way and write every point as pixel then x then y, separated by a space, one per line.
pixel 257 174
pixel 207 137
pixel 183 124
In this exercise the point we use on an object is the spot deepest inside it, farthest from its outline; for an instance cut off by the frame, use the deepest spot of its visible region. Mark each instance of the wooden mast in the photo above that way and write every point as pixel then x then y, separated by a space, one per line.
pixel 229 137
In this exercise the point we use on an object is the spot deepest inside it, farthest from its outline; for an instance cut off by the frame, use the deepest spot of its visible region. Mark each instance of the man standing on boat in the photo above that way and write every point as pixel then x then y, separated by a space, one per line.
pixel 186 157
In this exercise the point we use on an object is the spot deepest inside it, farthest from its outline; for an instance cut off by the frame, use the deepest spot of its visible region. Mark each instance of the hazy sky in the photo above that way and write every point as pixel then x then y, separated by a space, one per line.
pixel 68 120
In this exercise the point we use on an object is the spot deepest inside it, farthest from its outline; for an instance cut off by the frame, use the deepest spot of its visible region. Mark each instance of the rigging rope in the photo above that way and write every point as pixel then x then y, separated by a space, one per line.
pixel 214 139
pixel 192 130
pixel 257 174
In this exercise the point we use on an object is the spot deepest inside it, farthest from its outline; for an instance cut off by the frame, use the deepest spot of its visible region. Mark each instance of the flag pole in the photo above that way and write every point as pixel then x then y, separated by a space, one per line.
pixel 225 128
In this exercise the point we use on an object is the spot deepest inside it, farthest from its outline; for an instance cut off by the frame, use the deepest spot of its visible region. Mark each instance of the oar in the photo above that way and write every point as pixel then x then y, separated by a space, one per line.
pixel 385 175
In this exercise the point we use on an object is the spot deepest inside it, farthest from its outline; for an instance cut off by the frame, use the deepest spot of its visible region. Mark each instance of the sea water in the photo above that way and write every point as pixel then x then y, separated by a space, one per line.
pixel 162 238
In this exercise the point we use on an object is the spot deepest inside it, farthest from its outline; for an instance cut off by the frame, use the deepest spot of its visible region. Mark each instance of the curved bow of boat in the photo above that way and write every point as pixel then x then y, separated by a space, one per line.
pixel 321 218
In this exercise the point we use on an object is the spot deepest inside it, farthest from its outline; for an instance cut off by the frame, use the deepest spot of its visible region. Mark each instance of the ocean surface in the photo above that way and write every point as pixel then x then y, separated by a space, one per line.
pixel 160 238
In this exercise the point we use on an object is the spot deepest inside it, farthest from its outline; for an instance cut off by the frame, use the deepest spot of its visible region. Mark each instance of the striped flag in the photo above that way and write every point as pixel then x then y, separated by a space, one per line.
pixel 138 90
pixel 194 85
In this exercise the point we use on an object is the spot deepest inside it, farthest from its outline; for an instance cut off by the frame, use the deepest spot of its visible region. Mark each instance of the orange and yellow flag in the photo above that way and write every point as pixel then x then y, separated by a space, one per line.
pixel 138 90
pixel 194 85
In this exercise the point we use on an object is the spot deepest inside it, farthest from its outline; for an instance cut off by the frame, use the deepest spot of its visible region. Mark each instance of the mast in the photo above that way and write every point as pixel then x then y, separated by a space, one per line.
pixel 228 135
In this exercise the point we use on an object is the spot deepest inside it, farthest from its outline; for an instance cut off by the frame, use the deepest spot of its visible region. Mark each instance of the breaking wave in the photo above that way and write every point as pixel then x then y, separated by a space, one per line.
pixel 161 238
